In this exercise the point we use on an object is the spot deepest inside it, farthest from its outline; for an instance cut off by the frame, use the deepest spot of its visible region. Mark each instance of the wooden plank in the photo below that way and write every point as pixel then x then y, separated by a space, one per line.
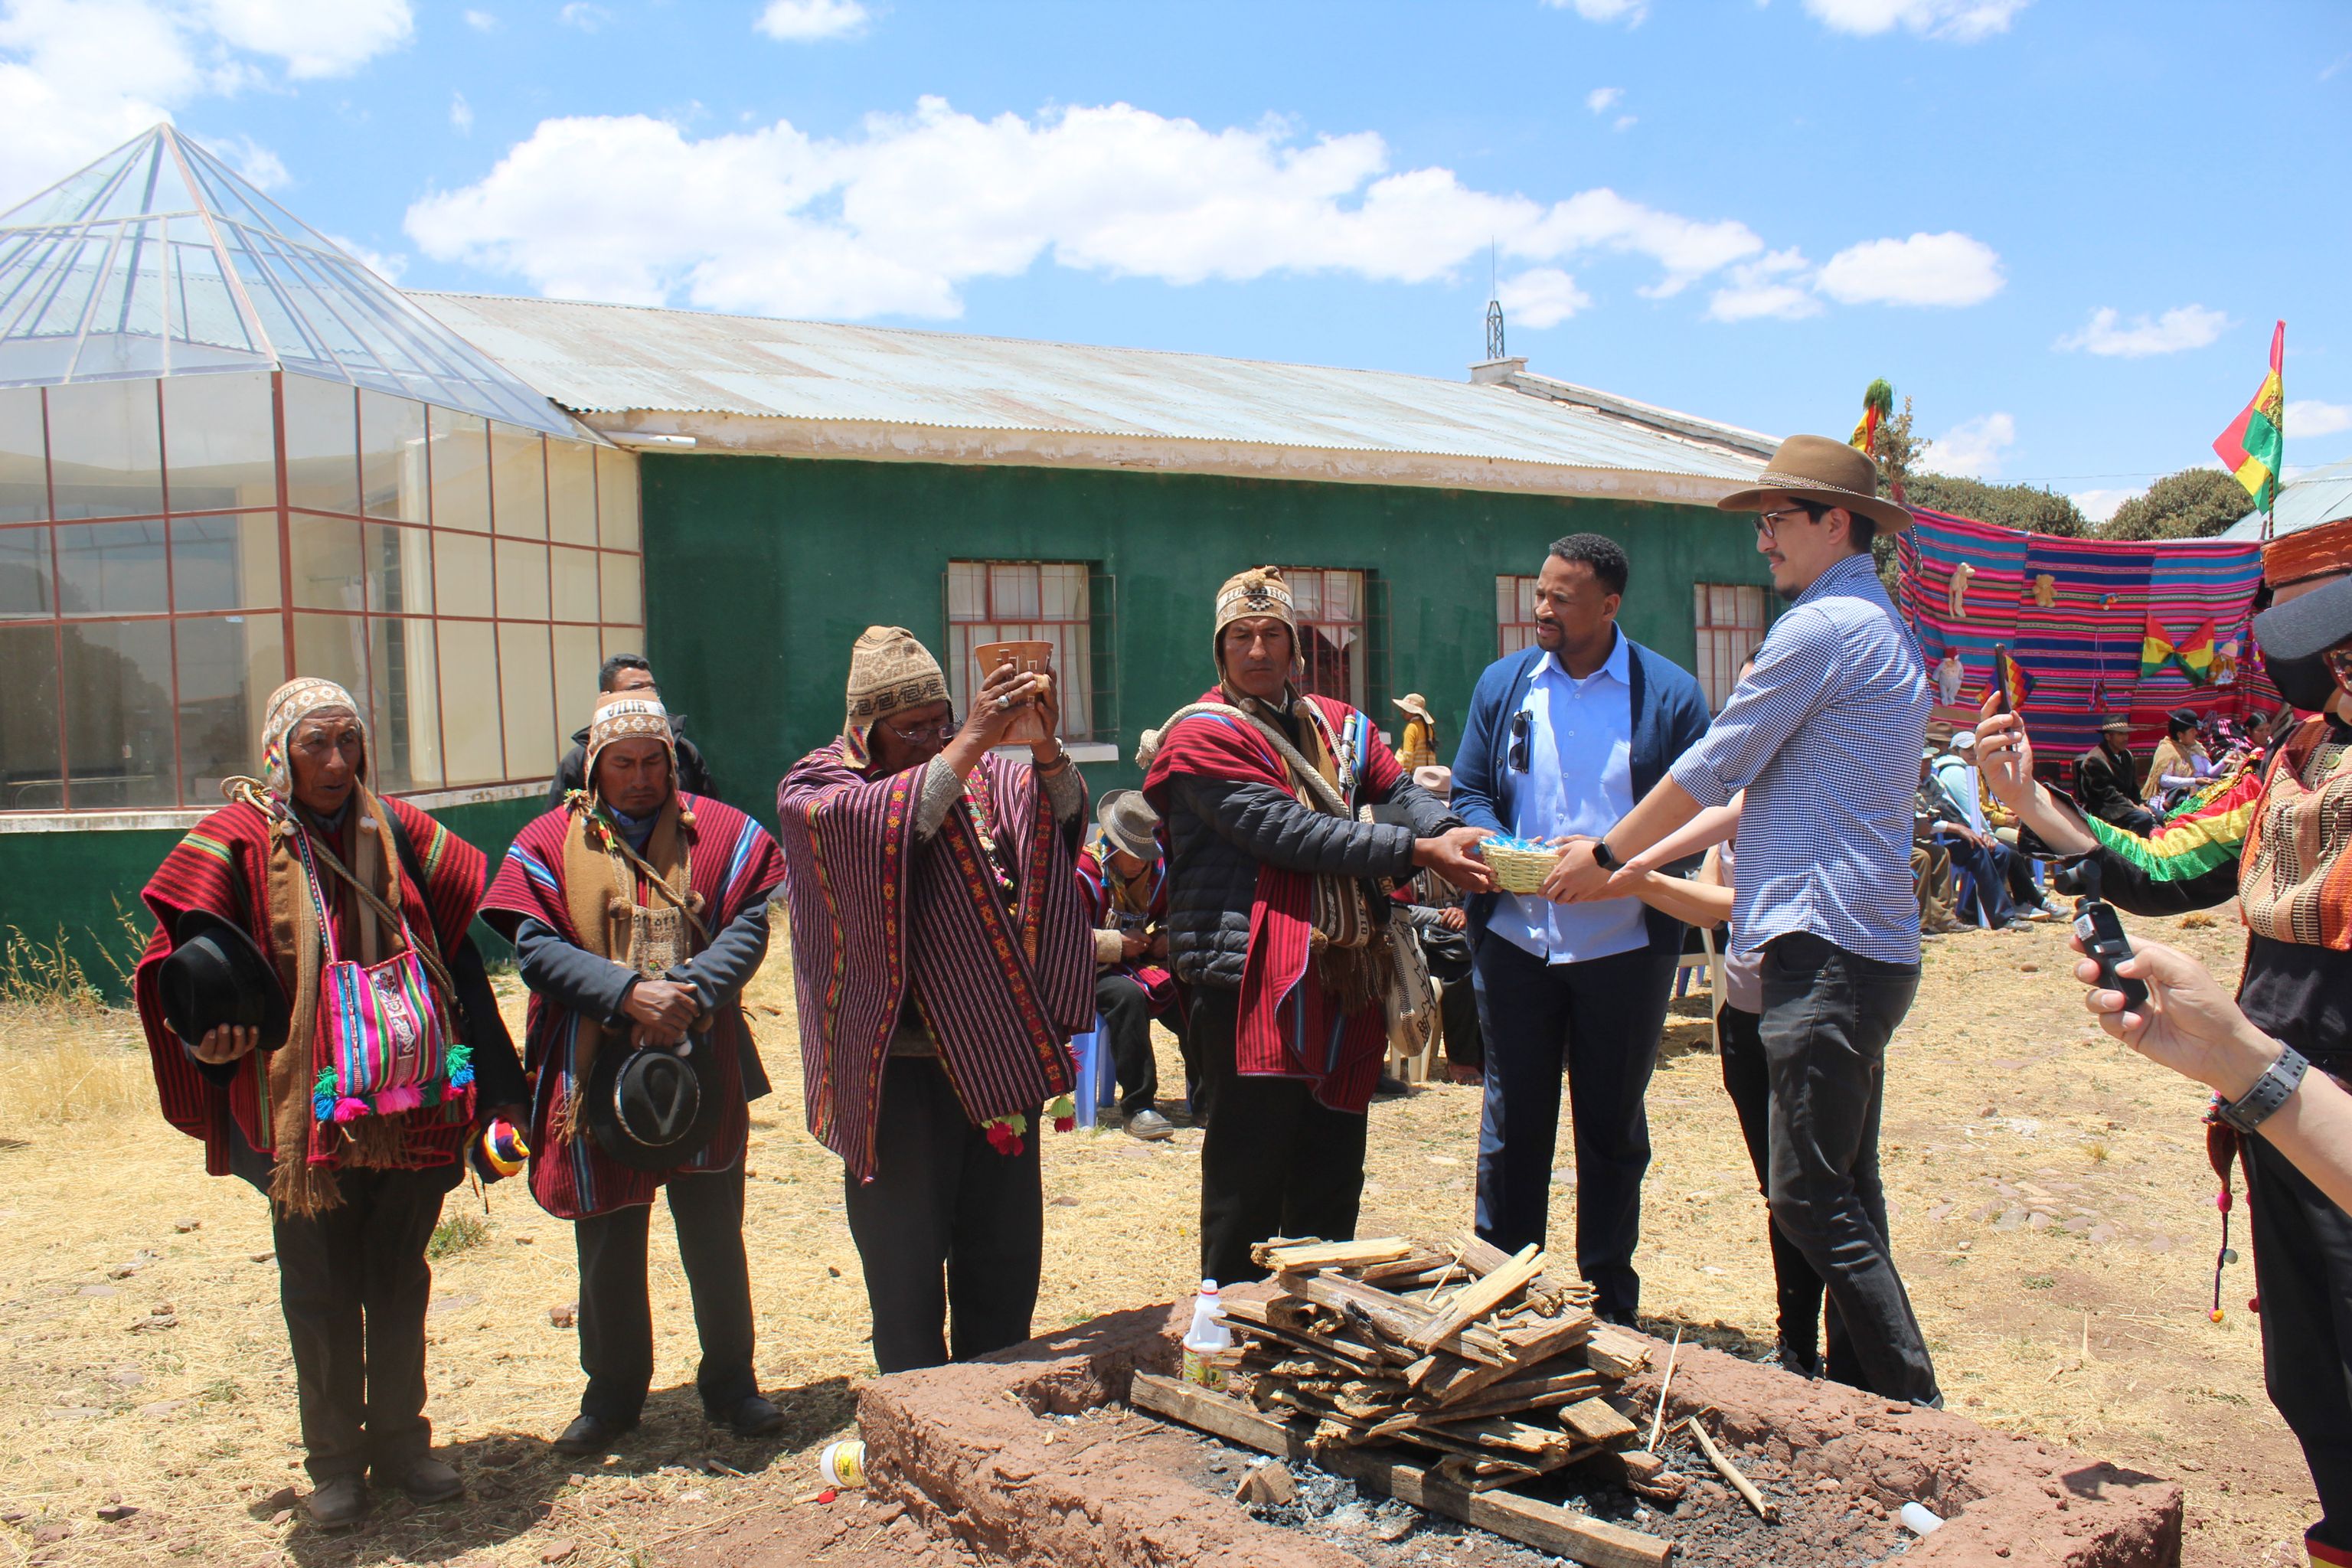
pixel 1766 1510
pixel 1309 1257
pixel 1393 1321
pixel 1535 1394
pixel 1615 1352
pixel 1406 1273
pixel 1591 1541
pixel 1481 1297
pixel 1443 1385
pixel 1362 1358
pixel 1597 1421
pixel 1483 1258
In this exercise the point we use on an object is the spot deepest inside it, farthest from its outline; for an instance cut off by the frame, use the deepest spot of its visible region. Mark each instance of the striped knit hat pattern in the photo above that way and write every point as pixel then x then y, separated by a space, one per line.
pixel 889 670
pixel 629 716
pixel 288 705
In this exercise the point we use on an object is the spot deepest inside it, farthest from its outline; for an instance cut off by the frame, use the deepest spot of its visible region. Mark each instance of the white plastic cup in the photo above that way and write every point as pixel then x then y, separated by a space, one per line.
pixel 1920 1519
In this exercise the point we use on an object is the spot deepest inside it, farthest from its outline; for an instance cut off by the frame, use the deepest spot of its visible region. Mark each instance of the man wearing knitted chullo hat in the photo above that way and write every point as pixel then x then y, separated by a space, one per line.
pixel 1276 924
pixel 942 959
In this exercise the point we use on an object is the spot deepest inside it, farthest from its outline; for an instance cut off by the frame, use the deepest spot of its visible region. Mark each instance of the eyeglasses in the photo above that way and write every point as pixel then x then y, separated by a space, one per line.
pixel 1767 523
pixel 1523 726
pixel 943 731
pixel 2338 661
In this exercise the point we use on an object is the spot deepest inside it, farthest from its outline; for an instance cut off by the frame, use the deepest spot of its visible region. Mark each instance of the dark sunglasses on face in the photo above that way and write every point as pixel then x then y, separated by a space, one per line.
pixel 1523 726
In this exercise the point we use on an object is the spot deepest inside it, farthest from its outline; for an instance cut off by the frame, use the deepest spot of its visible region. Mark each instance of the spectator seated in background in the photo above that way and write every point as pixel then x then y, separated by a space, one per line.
pixel 1124 881
pixel 1954 775
pixel 2180 765
pixel 1434 907
pixel 1931 860
pixel 2107 781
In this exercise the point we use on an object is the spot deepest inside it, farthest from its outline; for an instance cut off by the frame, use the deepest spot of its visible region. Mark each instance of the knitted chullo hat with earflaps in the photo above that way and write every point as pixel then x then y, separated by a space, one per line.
pixel 889 670
pixel 1260 591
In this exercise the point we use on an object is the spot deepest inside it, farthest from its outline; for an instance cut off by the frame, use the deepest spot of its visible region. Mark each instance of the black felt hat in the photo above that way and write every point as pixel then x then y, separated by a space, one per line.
pixel 218 975
pixel 2307 625
pixel 653 1108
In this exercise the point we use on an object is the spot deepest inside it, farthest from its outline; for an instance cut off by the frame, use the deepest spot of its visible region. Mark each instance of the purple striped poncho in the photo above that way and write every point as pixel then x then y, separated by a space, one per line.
pixel 1003 978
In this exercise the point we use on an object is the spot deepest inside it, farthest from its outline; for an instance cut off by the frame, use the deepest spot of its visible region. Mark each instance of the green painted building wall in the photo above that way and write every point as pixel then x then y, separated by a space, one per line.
pixel 761 572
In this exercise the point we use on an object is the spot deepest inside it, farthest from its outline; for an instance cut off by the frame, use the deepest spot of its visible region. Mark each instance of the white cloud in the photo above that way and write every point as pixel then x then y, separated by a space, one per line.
pixel 1623 123
pixel 1973 447
pixel 1953 21
pixel 897 218
pixel 77 79
pixel 1602 99
pixel 388 268
pixel 461 114
pixel 1924 269
pixel 2100 505
pixel 1629 12
pixel 585 15
pixel 1541 296
pixel 2308 417
pixel 482 21
pixel 2188 327
pixel 1770 286
pixel 313 39
pixel 250 158
pixel 808 21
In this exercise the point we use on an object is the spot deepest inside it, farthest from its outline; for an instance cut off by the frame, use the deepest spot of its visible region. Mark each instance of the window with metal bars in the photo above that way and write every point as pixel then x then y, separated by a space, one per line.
pixel 1730 618
pixel 1028 601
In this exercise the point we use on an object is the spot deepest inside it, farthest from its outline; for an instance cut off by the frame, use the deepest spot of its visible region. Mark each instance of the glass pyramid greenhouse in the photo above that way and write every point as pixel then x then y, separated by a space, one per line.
pixel 156 260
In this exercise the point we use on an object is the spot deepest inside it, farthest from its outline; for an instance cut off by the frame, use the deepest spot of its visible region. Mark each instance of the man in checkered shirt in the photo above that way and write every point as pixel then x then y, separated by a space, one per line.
pixel 1825 734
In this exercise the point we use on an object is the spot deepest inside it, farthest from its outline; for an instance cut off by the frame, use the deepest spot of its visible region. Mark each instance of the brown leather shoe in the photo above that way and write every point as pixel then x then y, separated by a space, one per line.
pixel 338 1500
pixel 426 1480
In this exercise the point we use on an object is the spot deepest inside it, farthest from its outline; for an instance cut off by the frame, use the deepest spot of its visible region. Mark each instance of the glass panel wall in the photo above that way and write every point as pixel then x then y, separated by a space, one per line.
pixel 166 561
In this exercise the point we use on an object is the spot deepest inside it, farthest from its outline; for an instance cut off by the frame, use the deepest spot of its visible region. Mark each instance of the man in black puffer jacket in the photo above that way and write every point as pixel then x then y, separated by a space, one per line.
pixel 1276 925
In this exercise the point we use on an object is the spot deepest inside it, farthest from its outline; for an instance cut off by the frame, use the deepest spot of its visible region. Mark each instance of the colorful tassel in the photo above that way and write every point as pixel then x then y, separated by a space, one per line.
pixel 348 1110
pixel 392 1101
pixel 1064 1112
pixel 1005 1133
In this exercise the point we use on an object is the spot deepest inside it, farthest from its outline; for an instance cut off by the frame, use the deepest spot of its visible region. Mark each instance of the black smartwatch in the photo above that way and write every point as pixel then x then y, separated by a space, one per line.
pixel 1604 856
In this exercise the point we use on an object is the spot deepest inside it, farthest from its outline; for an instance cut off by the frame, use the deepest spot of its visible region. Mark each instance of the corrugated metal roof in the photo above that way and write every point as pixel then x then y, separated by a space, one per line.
pixel 613 359
pixel 2306 500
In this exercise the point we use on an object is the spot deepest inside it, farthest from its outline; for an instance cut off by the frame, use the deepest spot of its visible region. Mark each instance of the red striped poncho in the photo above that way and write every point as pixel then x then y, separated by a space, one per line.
pixel 1290 1026
pixel 1005 977
pixel 1094 887
pixel 733 864
pixel 221 866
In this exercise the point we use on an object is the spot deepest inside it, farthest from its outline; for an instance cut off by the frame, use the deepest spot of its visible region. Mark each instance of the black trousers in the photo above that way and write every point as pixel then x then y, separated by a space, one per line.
pixel 2303 1268
pixel 1125 1008
pixel 354 1285
pixel 950 1232
pixel 1827 1016
pixel 1448 955
pixel 616 1324
pixel 1600 1020
pixel 1274 1160
pixel 1747 1081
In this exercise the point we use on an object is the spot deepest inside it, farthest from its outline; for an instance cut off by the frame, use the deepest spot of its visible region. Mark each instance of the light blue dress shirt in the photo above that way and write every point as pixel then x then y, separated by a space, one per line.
pixel 1580 779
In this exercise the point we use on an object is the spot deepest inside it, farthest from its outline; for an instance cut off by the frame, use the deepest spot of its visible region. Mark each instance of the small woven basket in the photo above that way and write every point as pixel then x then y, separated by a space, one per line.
pixel 1519 870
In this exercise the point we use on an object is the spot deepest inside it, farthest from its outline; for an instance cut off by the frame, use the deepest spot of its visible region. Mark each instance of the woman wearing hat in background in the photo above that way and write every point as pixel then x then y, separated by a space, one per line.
pixel 638 912
pixel 247 1057
pixel 1125 884
pixel 941 960
pixel 2181 763
pixel 2277 840
pixel 1419 748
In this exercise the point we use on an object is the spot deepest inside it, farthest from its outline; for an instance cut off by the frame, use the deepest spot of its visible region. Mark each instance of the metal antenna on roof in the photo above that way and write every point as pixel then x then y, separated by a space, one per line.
pixel 1494 306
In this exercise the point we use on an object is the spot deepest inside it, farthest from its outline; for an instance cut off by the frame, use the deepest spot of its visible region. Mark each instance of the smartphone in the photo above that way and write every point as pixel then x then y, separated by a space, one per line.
pixel 2101 930
pixel 2002 664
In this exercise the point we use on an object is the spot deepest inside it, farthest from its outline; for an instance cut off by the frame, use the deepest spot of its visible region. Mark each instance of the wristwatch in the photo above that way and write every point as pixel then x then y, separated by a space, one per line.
pixel 2270 1091
pixel 1604 856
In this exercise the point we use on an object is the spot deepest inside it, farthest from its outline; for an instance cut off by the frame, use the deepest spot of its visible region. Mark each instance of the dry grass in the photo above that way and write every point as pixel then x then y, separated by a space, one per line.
pixel 2093 1334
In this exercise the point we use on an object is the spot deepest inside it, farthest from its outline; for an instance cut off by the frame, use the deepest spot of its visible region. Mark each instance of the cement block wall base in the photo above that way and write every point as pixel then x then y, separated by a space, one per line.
pixel 964 1448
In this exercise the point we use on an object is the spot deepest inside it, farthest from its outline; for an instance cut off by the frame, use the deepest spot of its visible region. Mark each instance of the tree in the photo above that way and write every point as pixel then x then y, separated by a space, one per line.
pixel 2021 506
pixel 2195 503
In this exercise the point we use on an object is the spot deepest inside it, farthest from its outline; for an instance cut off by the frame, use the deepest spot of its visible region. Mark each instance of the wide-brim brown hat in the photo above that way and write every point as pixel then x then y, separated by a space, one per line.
pixel 1412 702
pixel 1826 471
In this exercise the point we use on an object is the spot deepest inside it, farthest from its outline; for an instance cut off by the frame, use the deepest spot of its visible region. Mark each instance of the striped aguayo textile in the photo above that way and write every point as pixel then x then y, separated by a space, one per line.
pixel 221 866
pixel 733 864
pixel 1290 1026
pixel 2082 651
pixel 1002 976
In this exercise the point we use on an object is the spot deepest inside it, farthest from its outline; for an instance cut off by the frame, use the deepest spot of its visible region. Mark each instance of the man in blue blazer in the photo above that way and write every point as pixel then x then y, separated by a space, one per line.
pixel 1562 740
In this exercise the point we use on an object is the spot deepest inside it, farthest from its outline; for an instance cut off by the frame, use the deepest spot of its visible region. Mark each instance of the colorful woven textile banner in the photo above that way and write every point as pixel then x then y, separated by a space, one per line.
pixel 2077 615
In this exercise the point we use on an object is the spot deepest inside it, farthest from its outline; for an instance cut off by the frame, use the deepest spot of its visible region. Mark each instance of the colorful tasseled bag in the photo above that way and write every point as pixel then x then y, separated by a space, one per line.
pixel 387 1029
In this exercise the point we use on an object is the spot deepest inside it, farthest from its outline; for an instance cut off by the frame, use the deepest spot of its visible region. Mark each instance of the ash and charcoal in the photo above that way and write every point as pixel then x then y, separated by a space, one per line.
pixel 1819 1526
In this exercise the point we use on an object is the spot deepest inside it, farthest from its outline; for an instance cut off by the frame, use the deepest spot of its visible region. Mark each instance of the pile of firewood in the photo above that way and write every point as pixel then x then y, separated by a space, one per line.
pixel 1498 1369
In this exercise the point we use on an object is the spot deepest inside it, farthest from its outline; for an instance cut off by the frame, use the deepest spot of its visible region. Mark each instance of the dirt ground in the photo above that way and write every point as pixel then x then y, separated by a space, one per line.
pixel 2052 1213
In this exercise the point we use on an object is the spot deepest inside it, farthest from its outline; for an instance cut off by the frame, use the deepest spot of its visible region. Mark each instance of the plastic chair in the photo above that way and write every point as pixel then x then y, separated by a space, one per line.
pixel 1095 1069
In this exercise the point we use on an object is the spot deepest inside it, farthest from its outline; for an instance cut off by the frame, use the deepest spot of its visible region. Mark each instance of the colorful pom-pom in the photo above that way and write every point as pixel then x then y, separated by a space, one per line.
pixel 1064 1112
pixel 2217 1314
pixel 392 1101
pixel 2221 1200
pixel 349 1109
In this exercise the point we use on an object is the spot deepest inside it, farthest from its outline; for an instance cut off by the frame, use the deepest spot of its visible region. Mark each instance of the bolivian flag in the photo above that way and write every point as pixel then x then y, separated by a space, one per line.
pixel 2195 656
pixel 2252 447
pixel 2155 649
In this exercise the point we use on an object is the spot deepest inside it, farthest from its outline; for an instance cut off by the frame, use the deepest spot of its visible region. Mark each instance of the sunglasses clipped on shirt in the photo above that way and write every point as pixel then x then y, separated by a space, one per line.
pixel 1523 729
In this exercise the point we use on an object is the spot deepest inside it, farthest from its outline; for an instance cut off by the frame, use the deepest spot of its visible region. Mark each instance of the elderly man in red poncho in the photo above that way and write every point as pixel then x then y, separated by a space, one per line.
pixel 942 959
pixel 355 1150
pixel 1278 912
pixel 638 911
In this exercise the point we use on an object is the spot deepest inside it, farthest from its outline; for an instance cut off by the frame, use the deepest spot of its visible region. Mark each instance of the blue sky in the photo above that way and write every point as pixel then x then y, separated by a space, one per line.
pixel 2062 228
